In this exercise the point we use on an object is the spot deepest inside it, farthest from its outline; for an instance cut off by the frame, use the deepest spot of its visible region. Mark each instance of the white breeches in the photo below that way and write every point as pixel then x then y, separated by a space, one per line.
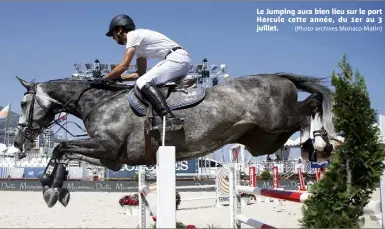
pixel 175 65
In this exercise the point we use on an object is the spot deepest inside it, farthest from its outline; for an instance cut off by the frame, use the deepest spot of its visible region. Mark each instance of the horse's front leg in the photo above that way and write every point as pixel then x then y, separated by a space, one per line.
pixel 54 175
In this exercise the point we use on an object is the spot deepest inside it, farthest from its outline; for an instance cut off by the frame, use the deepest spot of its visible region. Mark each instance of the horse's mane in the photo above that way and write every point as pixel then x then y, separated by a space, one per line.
pixel 65 80
pixel 82 82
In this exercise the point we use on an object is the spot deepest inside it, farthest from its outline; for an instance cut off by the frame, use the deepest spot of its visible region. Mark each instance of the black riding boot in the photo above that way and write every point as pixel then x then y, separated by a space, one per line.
pixel 156 98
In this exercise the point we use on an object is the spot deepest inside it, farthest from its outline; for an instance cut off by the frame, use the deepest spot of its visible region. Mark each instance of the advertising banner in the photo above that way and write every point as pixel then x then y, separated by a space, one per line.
pixel 128 171
pixel 91 186
pixel 318 165
pixel 33 172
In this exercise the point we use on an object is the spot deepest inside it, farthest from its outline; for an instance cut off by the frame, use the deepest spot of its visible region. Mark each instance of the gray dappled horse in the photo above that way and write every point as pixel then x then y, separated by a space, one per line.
pixel 258 111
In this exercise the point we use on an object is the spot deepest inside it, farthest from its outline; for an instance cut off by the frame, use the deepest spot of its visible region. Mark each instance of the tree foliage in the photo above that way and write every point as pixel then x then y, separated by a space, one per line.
pixel 338 200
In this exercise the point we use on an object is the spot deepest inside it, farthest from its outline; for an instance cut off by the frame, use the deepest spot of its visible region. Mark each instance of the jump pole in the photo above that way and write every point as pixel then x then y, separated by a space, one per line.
pixel 252 176
pixel 302 186
pixel 236 218
pixel 292 196
pixel 276 182
pixel 142 205
pixel 165 181
pixel 320 173
pixel 165 208
pixel 235 203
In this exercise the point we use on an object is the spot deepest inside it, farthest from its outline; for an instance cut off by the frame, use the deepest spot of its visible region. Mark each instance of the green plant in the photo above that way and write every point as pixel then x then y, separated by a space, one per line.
pixel 265 175
pixel 338 199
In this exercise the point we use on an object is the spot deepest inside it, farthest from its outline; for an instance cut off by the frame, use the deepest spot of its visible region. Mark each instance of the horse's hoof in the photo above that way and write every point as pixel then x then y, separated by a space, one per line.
pixel 51 196
pixel 45 188
pixel 64 196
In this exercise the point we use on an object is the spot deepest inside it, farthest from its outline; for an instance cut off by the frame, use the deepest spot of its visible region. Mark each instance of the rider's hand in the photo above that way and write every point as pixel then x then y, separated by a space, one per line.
pixel 130 77
pixel 104 78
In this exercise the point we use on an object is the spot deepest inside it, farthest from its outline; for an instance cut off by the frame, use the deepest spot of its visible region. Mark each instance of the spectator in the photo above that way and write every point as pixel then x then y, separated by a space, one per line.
pixel 95 177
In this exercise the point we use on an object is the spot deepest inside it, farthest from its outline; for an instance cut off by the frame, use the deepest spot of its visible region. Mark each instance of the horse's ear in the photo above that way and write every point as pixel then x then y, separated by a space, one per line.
pixel 26 84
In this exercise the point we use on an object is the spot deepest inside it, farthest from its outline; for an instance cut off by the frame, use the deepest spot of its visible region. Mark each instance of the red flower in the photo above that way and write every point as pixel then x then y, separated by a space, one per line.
pixel 191 226
pixel 129 200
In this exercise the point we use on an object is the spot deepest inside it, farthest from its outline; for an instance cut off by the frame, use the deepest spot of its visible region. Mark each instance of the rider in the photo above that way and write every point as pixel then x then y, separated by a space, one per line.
pixel 144 43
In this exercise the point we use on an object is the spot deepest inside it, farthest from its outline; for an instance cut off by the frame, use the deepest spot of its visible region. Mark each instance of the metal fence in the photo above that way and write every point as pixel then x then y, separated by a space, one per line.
pixel 285 167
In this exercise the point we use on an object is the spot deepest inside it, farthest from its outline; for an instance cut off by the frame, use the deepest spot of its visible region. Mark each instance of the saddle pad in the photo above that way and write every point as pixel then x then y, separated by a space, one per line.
pixel 177 100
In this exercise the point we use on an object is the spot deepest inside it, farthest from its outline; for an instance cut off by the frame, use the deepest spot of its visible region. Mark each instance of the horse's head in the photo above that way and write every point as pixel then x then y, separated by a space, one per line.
pixel 37 112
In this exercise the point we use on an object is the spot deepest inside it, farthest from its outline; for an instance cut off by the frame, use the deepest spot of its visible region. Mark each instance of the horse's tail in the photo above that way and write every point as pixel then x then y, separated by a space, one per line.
pixel 315 85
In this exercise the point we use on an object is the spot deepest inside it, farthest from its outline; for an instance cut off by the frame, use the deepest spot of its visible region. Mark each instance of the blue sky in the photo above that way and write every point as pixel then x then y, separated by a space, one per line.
pixel 42 40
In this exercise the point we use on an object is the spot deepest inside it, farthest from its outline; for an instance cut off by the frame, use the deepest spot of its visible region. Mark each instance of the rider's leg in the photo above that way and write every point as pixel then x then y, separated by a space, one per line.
pixel 159 103
pixel 161 73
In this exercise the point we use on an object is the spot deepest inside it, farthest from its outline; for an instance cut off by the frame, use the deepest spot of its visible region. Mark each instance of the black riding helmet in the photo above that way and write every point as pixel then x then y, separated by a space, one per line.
pixel 121 20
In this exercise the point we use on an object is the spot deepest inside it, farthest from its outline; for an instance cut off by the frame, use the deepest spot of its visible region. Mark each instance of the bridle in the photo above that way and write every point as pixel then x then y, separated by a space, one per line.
pixel 30 129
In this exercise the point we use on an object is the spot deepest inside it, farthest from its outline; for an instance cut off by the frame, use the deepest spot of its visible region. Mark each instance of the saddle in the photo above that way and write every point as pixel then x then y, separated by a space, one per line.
pixel 182 93
pixel 179 95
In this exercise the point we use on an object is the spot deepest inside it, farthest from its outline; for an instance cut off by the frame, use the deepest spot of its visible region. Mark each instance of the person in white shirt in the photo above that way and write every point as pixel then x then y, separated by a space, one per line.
pixel 146 44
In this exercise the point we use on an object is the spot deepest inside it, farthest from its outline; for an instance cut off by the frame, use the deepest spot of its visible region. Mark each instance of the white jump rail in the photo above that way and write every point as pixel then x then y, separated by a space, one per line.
pixel 236 218
pixel 195 175
pixel 196 186
pixel 166 187
pixel 142 206
pixel 165 182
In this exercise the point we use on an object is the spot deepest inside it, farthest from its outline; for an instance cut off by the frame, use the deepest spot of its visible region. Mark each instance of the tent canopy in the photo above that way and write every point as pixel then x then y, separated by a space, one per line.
pixel 3 147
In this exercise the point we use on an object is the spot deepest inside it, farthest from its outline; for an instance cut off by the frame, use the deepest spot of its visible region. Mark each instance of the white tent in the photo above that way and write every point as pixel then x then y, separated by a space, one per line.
pixel 293 143
pixel 3 148
pixel 12 151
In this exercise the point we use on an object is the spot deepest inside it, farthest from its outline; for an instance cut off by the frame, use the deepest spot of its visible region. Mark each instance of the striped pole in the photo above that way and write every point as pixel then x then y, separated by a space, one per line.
pixel 276 183
pixel 196 186
pixel 252 176
pixel 320 173
pixel 302 186
pixel 298 197
pixel 252 222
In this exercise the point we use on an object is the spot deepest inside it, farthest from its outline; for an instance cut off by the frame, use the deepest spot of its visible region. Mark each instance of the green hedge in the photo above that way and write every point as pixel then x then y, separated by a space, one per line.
pixel 339 198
